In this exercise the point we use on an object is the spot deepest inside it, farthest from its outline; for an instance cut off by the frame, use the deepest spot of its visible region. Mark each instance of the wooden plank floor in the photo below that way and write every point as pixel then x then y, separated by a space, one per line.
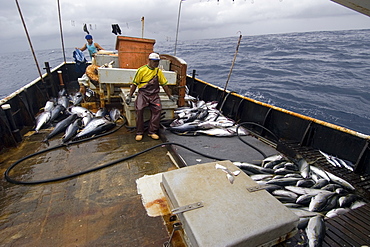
pixel 350 229
pixel 101 208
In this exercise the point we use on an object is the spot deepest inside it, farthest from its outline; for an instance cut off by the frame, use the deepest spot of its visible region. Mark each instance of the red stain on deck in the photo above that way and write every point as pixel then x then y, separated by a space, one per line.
pixel 158 206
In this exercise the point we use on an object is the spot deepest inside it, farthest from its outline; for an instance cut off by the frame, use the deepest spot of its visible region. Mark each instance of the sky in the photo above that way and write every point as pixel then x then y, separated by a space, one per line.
pixel 199 19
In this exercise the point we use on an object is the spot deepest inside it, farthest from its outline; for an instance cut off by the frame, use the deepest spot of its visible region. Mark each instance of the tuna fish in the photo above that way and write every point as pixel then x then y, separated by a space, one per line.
pixel 114 114
pixel 304 168
pixel 61 126
pixel 94 127
pixel 347 200
pixel 102 112
pixel 72 130
pixel 77 98
pixel 320 172
pixel 49 105
pixel 336 211
pixel 57 111
pixel 42 119
pixel 320 201
pixel 64 101
pixel 340 181
pixel 315 231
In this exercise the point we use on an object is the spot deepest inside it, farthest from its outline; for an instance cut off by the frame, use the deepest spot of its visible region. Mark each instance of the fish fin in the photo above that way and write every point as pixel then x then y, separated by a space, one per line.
pixel 46 141
pixel 236 173
pixel 218 166
pixel 231 178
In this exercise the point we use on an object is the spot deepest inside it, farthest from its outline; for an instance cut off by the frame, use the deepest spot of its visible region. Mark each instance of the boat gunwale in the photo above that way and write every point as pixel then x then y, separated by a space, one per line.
pixel 299 115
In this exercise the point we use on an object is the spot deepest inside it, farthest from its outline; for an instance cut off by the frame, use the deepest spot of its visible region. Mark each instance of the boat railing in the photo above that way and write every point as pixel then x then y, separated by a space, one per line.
pixel 289 127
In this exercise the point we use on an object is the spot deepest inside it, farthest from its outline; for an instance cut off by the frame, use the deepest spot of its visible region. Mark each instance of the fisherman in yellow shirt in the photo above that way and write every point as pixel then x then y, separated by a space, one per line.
pixel 148 78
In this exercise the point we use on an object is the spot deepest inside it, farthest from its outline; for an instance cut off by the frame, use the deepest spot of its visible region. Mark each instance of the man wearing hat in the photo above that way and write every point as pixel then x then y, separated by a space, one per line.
pixel 91 46
pixel 148 78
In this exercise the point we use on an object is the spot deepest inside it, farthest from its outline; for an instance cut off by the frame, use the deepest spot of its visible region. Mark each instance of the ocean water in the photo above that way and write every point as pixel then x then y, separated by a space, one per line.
pixel 325 75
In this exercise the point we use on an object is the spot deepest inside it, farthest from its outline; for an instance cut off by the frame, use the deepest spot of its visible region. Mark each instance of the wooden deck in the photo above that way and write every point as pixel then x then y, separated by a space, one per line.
pixel 101 208
pixel 350 229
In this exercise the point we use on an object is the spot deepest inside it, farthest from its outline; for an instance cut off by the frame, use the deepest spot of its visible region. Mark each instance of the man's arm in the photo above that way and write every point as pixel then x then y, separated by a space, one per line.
pixel 132 90
pixel 83 48
pixel 98 47
pixel 167 90
pixel 129 97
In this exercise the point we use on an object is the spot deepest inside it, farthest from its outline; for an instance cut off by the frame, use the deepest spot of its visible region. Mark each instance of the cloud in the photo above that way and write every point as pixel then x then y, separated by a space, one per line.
pixel 198 19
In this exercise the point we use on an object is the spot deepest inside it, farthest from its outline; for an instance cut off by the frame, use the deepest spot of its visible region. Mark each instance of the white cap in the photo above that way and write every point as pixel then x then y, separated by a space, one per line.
pixel 154 56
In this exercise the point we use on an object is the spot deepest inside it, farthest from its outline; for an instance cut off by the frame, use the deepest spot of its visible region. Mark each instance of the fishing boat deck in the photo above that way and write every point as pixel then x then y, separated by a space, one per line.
pixel 102 208
pixel 225 148
pixel 351 229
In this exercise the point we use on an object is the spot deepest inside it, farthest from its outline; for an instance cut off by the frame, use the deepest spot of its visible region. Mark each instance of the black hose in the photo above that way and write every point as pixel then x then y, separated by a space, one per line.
pixel 255 148
pixel 92 169
pixel 6 174
pixel 9 179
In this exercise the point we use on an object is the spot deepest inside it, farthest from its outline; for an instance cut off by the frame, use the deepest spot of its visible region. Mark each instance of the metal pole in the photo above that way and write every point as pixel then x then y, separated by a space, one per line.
pixel 29 40
pixel 178 23
pixel 232 65
pixel 223 98
pixel 142 27
pixel 61 31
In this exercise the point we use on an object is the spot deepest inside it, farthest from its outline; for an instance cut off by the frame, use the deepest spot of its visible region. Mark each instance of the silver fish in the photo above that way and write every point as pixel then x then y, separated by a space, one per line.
pixel 77 98
pixel 340 181
pixel 320 201
pixel 64 101
pixel 114 114
pixel 320 183
pixel 95 126
pixel 72 130
pixel 315 231
pixel 307 183
pixel 254 168
pixel 304 168
pixel 61 126
pixel 304 199
pixel 284 181
pixel 320 172
pixel 338 162
pixel 336 211
pixel 301 213
pixel 283 171
pixel 102 112
pixel 347 200
pixel 49 105
pixel 302 190
pixel 79 110
pixel 184 128
pixel 285 193
pixel 42 119
pixel 357 204
pixel 257 177
pixel 57 111
pixel 275 157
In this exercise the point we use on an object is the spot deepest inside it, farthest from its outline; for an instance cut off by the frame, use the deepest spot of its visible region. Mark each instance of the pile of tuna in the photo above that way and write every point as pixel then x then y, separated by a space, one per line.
pixel 76 122
pixel 310 192
pixel 203 118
